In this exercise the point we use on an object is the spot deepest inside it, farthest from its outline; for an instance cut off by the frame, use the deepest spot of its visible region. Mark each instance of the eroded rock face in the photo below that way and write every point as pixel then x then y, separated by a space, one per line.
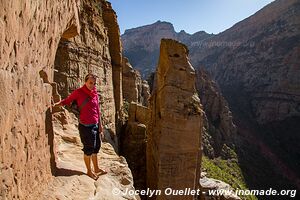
pixel 133 142
pixel 29 34
pixel 134 89
pixel 220 129
pixel 115 49
pixel 174 132
pixel 88 52
pixel 256 65
pixel 131 82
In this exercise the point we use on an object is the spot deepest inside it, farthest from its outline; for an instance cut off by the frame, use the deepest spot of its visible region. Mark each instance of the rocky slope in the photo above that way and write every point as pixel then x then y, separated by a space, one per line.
pixel 256 64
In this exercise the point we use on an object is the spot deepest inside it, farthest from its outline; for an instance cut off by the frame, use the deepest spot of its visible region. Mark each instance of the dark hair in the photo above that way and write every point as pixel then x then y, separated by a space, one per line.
pixel 90 75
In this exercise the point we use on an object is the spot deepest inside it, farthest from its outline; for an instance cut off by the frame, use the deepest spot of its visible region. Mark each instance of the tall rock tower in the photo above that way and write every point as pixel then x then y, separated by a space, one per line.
pixel 174 131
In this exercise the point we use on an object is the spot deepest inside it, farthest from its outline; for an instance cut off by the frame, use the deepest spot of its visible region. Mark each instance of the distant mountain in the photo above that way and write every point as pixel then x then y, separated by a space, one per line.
pixel 141 45
pixel 259 54
pixel 256 63
pixel 260 57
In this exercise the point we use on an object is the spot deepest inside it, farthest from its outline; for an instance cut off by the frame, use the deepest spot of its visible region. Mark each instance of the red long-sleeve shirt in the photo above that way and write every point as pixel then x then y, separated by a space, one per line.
pixel 90 112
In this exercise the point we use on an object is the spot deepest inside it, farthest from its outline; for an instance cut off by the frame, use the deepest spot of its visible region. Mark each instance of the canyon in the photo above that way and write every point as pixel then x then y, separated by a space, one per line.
pixel 54 45
pixel 248 82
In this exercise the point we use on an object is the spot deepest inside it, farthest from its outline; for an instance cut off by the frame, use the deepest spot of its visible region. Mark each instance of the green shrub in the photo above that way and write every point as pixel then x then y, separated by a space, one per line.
pixel 227 171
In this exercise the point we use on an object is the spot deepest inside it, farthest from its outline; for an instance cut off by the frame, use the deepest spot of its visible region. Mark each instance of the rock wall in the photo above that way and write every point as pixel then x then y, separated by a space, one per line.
pixel 256 64
pixel 115 49
pixel 133 142
pixel 131 82
pixel 88 52
pixel 29 35
pixel 220 129
pixel 134 89
pixel 175 127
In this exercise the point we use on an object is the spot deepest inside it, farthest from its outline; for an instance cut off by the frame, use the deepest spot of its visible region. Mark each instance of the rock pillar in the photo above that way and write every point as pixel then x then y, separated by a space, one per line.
pixel 174 132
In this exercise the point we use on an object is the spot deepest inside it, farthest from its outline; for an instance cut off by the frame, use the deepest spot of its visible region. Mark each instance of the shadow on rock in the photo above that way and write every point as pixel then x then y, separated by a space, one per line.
pixel 67 172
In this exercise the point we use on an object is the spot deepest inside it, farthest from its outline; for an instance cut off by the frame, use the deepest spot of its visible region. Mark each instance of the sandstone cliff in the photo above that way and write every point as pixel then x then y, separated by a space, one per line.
pixel 158 126
pixel 257 55
pixel 175 126
pixel 220 131
pixel 141 45
pixel 45 49
pixel 134 88
pixel 256 65
pixel 29 35
pixel 133 143
pixel 89 52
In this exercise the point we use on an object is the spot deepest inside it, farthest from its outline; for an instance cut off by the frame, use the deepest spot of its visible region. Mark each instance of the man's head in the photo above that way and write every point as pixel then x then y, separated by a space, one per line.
pixel 90 81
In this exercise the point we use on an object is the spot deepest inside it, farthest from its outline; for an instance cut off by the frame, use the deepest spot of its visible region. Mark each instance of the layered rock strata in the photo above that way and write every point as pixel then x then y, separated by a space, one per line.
pixel 175 128
pixel 256 62
pixel 258 56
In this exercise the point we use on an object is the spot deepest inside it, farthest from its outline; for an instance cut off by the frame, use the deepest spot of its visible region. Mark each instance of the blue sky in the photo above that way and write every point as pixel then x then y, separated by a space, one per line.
pixel 212 16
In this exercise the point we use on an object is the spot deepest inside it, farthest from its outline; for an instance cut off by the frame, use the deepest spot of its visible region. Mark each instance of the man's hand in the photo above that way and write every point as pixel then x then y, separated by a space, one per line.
pixel 57 104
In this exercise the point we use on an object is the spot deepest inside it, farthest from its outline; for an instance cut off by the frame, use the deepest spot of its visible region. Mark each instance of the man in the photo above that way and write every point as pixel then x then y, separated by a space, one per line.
pixel 90 126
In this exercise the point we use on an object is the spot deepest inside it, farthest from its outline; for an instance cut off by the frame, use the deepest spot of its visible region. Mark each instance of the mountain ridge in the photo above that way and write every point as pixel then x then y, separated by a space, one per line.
pixel 256 65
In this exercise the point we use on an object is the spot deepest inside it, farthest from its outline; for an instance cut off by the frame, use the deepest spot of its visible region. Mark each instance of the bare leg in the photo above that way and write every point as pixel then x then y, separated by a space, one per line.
pixel 95 162
pixel 96 167
pixel 87 161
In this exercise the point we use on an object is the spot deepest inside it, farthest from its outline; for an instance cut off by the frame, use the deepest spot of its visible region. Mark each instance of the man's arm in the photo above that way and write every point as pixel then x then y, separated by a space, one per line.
pixel 68 100
pixel 100 125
